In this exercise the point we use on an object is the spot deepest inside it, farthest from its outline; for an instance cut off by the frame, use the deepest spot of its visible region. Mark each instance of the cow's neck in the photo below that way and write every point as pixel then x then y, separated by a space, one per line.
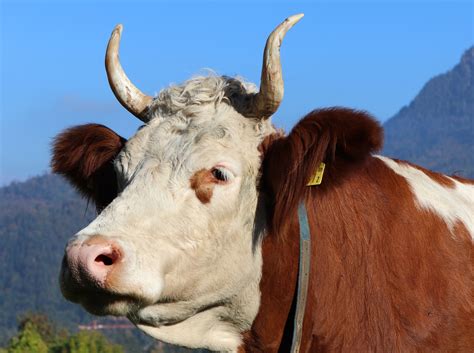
pixel 278 285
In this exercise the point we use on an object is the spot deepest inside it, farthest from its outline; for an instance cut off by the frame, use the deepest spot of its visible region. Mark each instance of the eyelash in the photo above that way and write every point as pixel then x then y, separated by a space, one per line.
pixel 221 174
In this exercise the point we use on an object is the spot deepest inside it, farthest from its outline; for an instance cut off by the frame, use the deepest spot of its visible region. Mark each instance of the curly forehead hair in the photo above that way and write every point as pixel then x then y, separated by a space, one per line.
pixel 188 98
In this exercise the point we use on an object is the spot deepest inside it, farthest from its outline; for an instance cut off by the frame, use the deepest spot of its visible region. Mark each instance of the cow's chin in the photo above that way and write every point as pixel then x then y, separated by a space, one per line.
pixel 108 306
pixel 99 301
pixel 102 303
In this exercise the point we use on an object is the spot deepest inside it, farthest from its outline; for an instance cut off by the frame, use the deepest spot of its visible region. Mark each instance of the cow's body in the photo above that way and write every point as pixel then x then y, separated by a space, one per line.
pixel 392 261
pixel 207 189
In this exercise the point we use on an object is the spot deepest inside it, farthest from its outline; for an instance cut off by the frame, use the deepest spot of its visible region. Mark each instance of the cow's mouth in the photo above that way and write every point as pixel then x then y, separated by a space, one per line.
pixel 108 304
pixel 99 301
pixel 93 296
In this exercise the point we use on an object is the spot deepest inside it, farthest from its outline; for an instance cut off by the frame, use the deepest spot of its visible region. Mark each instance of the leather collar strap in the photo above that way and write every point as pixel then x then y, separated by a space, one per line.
pixel 303 277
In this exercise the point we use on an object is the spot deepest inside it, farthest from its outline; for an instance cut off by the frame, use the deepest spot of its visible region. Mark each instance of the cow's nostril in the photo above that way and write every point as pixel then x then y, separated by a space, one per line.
pixel 94 259
pixel 106 260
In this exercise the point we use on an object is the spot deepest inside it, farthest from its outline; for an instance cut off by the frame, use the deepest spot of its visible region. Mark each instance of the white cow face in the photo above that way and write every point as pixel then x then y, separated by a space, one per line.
pixel 182 225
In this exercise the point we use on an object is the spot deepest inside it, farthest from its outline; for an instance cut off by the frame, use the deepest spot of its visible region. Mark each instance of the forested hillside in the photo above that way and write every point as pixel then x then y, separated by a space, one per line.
pixel 36 219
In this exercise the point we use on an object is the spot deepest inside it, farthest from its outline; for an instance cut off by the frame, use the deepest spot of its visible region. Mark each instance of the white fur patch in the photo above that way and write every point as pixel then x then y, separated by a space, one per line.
pixel 453 204
pixel 203 330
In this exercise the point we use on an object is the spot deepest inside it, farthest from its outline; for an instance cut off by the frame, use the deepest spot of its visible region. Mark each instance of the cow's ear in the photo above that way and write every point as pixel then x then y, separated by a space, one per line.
pixel 84 156
pixel 341 138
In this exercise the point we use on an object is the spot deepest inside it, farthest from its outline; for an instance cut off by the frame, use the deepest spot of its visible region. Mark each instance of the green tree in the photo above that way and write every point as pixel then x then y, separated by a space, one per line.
pixel 88 342
pixel 28 340
pixel 47 329
pixel 38 334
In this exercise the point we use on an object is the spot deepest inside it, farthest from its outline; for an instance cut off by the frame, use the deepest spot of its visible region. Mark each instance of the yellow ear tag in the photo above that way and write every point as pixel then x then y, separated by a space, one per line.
pixel 317 177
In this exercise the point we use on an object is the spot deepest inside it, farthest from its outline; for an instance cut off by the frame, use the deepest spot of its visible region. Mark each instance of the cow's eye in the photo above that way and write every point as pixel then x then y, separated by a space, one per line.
pixel 221 174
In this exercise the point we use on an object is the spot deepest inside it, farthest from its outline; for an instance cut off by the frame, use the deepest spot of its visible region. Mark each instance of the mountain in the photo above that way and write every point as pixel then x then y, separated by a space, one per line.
pixel 436 130
pixel 36 219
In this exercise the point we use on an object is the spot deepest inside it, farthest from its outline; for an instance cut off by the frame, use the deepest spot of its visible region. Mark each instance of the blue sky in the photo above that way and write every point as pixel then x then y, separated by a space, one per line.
pixel 371 55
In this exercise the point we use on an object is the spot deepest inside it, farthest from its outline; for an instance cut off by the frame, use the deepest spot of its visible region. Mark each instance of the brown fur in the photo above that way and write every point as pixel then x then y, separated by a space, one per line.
pixel 84 155
pixel 342 138
pixel 202 182
pixel 385 275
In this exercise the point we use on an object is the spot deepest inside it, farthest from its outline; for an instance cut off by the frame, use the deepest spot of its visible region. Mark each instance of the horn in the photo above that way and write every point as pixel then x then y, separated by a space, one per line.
pixel 124 90
pixel 268 99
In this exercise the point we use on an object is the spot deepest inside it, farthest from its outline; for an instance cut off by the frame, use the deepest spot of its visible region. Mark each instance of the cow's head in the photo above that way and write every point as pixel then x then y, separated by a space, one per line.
pixel 176 246
pixel 177 235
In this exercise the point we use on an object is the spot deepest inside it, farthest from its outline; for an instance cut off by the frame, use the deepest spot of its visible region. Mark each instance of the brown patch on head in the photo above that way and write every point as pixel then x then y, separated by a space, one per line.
pixel 84 155
pixel 202 182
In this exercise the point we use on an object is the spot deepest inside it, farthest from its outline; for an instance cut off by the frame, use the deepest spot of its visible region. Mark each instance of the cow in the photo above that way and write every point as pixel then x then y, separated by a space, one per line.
pixel 197 239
